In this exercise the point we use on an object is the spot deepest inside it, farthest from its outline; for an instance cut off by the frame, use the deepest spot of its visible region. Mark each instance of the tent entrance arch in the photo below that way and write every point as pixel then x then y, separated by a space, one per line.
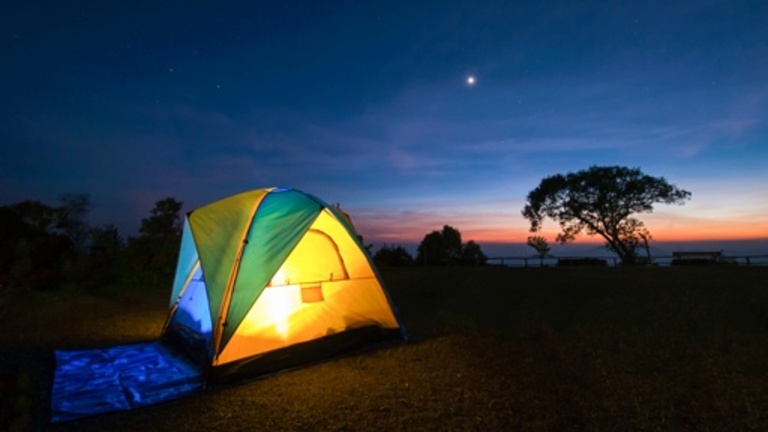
pixel 324 286
pixel 314 260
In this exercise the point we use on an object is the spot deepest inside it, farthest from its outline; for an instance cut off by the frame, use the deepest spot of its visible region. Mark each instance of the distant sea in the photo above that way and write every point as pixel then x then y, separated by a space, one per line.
pixel 661 252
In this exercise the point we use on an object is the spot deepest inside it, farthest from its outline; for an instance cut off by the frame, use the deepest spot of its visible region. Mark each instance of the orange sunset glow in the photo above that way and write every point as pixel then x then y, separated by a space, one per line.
pixel 673 224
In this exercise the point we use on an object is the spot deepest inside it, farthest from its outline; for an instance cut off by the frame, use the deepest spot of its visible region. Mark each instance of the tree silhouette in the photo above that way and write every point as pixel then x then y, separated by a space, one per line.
pixel 37 217
pixel 601 201
pixel 71 219
pixel 156 249
pixel 440 247
pixel 35 251
pixel 105 251
pixel 471 254
pixel 539 243
pixel 164 221
pixel 445 248
pixel 393 256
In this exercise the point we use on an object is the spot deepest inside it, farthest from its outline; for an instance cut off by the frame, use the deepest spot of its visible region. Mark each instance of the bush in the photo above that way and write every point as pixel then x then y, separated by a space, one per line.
pixel 392 256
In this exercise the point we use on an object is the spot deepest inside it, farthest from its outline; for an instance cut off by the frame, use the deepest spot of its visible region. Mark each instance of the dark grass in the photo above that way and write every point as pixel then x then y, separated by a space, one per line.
pixel 492 349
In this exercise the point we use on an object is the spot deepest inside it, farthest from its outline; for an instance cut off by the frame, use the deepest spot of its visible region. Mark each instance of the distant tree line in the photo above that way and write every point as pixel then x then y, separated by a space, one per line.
pixel 45 246
pixel 441 248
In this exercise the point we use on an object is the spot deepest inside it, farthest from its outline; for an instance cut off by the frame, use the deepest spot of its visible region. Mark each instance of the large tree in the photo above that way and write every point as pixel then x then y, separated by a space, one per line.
pixel 601 201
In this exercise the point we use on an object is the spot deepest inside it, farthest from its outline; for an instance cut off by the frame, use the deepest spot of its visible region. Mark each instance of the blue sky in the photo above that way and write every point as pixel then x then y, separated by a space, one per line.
pixel 367 104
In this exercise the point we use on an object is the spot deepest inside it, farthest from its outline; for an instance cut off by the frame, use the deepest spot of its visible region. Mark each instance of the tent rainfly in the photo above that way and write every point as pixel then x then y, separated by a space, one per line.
pixel 273 278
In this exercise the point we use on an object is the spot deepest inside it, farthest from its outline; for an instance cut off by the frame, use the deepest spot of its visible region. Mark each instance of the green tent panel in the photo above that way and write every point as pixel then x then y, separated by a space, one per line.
pixel 283 217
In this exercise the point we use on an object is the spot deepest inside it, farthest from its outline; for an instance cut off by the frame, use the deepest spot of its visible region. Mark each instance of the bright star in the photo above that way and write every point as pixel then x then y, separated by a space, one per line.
pixel 470 80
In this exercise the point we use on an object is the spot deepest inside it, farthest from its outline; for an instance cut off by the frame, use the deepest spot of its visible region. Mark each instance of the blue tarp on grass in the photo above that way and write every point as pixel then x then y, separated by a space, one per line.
pixel 95 381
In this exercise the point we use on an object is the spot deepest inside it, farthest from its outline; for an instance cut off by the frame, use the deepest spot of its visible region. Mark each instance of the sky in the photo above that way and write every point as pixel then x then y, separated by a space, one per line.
pixel 368 104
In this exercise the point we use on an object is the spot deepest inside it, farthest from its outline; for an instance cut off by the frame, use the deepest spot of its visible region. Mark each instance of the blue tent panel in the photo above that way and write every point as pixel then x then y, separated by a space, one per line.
pixel 186 262
pixel 193 310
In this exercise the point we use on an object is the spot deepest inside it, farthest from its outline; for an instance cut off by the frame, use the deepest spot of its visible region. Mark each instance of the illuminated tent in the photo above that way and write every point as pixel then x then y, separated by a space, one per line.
pixel 266 280
pixel 273 278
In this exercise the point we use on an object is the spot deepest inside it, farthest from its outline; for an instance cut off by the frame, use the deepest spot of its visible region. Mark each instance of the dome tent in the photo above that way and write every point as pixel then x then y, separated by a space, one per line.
pixel 266 280
pixel 268 270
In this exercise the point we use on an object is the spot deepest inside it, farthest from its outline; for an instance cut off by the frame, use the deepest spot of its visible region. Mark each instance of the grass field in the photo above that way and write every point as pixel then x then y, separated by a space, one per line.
pixel 491 348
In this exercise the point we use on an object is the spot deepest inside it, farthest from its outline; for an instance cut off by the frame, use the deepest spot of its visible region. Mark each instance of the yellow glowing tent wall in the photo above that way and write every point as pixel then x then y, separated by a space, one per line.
pixel 266 270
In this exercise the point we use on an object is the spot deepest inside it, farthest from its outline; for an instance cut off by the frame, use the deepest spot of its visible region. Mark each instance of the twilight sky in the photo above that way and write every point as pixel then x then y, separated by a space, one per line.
pixel 366 103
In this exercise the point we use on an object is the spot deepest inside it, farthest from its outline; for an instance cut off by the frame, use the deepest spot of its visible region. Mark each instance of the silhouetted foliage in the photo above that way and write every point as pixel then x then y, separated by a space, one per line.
pixel 12 230
pixel 37 217
pixel 539 243
pixel 164 221
pixel 44 261
pixel 601 201
pixel 104 254
pixel 47 246
pixel 105 241
pixel 471 254
pixel 156 248
pixel 71 219
pixel 35 251
pixel 445 248
pixel 440 247
pixel 392 256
